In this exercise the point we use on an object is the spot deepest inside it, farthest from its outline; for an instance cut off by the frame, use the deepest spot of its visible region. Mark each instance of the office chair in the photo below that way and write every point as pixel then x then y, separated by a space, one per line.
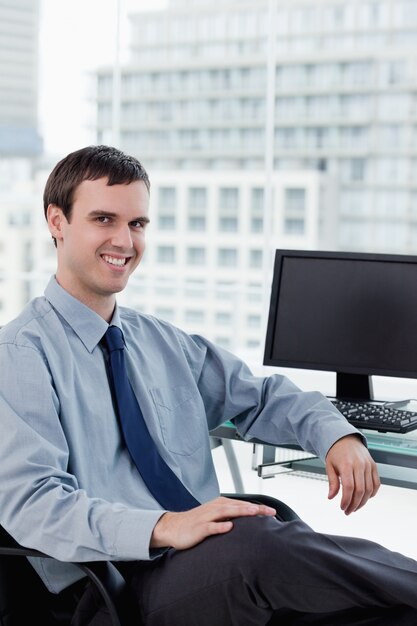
pixel 25 600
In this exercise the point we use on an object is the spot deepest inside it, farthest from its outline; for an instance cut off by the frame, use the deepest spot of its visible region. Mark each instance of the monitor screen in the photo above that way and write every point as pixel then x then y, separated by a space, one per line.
pixel 351 313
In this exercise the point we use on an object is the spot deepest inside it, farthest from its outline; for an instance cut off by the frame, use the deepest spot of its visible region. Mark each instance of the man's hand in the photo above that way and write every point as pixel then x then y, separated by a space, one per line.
pixel 348 462
pixel 185 530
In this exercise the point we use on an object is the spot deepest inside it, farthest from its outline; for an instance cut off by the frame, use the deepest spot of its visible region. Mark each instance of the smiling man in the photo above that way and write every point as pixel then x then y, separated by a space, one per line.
pixel 105 449
pixel 99 231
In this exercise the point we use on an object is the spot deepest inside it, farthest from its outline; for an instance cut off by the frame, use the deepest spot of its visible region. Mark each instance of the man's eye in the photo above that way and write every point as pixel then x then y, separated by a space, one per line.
pixel 103 219
pixel 137 224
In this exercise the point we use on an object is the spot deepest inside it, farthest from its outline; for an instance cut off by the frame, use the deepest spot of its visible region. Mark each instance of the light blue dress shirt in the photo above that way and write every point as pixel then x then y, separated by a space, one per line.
pixel 68 485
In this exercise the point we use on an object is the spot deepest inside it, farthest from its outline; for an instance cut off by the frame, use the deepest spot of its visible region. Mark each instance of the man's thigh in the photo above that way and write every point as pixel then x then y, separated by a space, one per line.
pixel 263 565
pixel 205 584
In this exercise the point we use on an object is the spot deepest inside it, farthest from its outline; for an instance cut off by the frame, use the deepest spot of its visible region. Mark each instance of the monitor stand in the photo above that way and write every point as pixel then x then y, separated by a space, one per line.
pixel 354 386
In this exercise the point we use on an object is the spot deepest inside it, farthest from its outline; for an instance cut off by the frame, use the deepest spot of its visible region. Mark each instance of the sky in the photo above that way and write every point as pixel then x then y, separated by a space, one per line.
pixel 76 37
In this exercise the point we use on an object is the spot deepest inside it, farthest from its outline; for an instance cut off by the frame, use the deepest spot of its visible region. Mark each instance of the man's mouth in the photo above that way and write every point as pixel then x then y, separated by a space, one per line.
pixel 117 261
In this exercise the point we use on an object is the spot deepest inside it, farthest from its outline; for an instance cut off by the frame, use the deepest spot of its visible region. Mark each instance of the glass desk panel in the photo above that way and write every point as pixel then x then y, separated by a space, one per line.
pixel 395 454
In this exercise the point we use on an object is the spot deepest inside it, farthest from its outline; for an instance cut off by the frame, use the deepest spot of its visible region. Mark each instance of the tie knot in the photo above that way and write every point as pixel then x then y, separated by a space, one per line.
pixel 113 339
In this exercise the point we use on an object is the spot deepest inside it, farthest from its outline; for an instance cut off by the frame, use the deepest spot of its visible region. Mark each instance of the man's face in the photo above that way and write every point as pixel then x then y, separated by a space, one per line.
pixel 103 241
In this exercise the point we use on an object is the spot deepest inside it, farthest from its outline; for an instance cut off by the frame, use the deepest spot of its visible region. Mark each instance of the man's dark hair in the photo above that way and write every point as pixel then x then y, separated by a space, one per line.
pixel 90 163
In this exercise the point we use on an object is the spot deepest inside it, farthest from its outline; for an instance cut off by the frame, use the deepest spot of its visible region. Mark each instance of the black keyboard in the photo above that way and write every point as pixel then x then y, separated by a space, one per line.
pixel 377 416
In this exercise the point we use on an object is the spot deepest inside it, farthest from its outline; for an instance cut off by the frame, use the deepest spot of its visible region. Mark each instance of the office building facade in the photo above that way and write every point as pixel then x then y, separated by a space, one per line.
pixel 343 79
pixel 19 70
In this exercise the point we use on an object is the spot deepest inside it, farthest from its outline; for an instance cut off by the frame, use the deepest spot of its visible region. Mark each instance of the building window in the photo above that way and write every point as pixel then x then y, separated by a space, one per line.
pixel 165 254
pixel 167 202
pixel 257 209
pixel 254 292
pixel 166 222
pixel 228 224
pixel 194 316
pixel 223 342
pixel 197 198
pixel 196 289
pixel 255 258
pixel 167 198
pixel 22 218
pixel 227 257
pixel 196 256
pixel 254 321
pixel 225 290
pixel 294 211
pixel 165 313
pixel 196 223
pixel 197 207
pixel 228 209
pixel 223 319
pixel 357 170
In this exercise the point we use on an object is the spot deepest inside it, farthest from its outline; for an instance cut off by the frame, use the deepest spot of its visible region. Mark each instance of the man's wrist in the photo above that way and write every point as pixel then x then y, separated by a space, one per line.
pixel 159 537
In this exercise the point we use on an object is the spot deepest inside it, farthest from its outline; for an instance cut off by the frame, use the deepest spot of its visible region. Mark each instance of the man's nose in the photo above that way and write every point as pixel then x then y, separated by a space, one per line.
pixel 122 237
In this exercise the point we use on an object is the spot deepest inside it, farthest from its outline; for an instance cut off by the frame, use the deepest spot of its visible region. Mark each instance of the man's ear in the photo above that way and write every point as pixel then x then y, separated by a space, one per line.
pixel 55 218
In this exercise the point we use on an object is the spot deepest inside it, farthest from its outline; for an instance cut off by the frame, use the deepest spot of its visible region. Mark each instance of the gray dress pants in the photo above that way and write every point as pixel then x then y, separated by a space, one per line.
pixel 278 573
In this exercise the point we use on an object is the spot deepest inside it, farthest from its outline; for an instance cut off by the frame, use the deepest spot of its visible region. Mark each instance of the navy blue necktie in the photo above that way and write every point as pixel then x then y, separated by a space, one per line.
pixel 161 481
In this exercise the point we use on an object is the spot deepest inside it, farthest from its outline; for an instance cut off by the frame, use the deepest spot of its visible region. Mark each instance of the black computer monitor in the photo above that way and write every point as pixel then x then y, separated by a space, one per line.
pixel 351 313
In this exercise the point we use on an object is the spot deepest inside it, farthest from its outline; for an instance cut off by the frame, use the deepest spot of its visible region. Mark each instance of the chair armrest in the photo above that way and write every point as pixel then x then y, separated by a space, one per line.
pixel 284 512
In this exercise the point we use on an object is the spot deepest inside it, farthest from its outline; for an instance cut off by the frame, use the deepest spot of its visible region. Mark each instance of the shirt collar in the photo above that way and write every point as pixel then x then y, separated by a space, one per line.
pixel 85 322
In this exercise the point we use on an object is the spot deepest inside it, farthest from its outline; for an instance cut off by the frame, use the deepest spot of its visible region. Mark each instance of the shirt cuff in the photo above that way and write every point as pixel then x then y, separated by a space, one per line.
pixel 134 533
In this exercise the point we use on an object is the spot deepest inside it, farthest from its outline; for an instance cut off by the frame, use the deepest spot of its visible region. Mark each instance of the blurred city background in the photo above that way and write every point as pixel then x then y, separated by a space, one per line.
pixel 263 124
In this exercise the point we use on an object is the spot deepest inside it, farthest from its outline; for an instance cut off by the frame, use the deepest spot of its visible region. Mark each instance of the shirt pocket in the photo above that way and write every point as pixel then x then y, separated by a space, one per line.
pixel 180 413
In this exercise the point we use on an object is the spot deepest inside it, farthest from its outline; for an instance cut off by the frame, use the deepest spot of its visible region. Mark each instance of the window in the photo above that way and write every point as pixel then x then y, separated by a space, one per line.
pixel 255 258
pixel 194 316
pixel 196 223
pixel 227 257
pixel 22 218
pixel 197 207
pixel 257 209
pixel 254 292
pixel 355 202
pixel 167 199
pixel 165 254
pixel 223 342
pixel 197 199
pixel 164 287
pixel 225 290
pixel 393 106
pixel 165 313
pixel 254 321
pixel 228 209
pixel 357 170
pixel 294 211
pixel 223 319
pixel 166 222
pixel 228 224
pixel 196 256
pixel 196 289
pixel 228 199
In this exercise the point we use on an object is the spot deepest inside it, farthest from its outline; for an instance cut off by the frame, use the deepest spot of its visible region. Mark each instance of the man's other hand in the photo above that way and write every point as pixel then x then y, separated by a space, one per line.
pixel 187 529
pixel 348 463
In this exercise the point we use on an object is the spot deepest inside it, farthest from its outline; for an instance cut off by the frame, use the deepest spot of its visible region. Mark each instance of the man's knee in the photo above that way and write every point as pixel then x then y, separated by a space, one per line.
pixel 260 540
